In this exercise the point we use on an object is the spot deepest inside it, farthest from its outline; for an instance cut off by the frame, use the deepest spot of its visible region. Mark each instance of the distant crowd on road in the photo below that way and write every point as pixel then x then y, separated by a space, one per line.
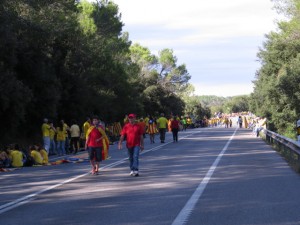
pixel 62 139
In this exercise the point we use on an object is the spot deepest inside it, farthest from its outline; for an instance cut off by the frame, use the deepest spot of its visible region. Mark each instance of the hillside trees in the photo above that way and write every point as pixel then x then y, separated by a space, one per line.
pixel 276 93
pixel 62 61
pixel 68 59
pixel 162 80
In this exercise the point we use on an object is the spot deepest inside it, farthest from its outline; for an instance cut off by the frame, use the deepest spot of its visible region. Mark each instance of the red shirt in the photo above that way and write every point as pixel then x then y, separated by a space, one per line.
pixel 93 136
pixel 175 124
pixel 133 133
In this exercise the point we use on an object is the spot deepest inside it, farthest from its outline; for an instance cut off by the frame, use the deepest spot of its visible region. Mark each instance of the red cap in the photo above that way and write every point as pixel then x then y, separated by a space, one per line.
pixel 131 115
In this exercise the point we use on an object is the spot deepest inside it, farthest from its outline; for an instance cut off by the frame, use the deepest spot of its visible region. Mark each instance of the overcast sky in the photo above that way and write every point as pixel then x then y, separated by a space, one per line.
pixel 217 39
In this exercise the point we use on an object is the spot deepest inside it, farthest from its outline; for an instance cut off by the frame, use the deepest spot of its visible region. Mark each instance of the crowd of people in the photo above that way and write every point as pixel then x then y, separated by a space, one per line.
pixel 95 137
pixel 62 139
pixel 13 156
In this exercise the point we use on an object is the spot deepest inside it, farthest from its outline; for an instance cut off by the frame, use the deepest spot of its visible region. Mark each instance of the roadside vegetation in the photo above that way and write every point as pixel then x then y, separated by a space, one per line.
pixel 62 59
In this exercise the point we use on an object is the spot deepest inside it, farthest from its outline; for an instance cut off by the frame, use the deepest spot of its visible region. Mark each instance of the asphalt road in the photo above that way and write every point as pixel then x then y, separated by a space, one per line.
pixel 211 176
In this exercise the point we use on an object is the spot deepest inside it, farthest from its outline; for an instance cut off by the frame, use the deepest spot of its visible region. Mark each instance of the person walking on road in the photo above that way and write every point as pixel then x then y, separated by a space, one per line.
pixel 134 143
pixel 175 128
pixel 162 124
pixel 151 129
pixel 240 121
pixel 96 144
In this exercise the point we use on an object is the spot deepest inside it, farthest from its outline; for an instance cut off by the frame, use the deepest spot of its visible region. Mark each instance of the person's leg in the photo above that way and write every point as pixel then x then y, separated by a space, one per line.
pixel 77 144
pixel 54 150
pixel 151 138
pixel 176 135
pixel 161 134
pixel 91 153
pixel 71 148
pixel 46 143
pixel 98 157
pixel 59 148
pixel 135 164
pixel 63 150
pixel 130 157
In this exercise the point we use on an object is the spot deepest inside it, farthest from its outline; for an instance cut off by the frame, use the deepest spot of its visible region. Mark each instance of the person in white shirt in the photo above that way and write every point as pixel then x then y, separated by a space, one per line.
pixel 75 136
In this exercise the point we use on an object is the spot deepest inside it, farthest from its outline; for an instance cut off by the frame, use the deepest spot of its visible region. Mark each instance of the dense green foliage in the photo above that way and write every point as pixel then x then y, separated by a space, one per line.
pixel 277 85
pixel 67 59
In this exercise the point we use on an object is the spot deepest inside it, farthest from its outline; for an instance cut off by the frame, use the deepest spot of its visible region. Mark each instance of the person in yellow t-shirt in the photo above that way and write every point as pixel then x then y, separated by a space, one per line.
pixel 43 154
pixel 61 138
pixel 36 155
pixel 147 119
pixel 46 134
pixel 87 124
pixel 52 133
pixel 16 156
pixel 162 124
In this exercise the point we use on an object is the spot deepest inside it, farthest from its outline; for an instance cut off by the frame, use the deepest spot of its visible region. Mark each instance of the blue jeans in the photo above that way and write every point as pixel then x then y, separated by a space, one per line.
pixel 52 146
pixel 61 147
pixel 46 143
pixel 133 155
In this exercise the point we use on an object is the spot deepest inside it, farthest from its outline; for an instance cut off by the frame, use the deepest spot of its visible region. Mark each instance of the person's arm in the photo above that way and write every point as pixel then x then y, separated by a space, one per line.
pixel 86 143
pixel 142 143
pixel 120 142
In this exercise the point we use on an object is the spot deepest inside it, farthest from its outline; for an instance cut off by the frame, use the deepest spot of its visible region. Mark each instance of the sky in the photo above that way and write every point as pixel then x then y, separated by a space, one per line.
pixel 217 40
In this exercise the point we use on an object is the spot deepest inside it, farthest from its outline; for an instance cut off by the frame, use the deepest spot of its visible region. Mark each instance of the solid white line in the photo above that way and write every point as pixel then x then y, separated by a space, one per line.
pixel 23 200
pixel 184 214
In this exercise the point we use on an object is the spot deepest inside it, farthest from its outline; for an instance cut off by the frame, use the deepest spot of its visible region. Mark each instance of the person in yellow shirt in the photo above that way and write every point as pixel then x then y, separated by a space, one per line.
pixel 43 154
pixel 162 124
pixel 67 139
pixel 147 119
pixel 36 155
pixel 61 138
pixel 16 156
pixel 52 133
pixel 46 134
pixel 85 127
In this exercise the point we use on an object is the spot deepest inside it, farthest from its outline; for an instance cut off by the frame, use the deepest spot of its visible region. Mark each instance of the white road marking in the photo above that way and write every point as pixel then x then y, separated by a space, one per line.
pixel 23 200
pixel 182 217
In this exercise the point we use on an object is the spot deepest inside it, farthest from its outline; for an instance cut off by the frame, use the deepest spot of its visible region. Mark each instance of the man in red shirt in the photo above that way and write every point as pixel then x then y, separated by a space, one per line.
pixel 94 144
pixel 134 143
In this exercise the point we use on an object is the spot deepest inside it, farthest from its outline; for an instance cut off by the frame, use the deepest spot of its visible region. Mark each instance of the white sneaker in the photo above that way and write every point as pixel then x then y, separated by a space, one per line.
pixel 136 173
pixel 131 173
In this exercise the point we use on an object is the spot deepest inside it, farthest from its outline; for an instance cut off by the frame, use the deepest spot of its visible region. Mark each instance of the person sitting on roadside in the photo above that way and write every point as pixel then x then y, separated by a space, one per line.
pixel 16 156
pixel 5 161
pixel 43 153
pixel 29 161
pixel 36 155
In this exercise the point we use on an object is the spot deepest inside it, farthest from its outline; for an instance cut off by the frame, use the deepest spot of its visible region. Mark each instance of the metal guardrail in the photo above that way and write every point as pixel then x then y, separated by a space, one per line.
pixel 288 148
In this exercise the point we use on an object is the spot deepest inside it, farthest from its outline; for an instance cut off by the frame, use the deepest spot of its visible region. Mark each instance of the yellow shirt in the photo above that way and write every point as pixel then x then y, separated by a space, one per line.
pixel 37 157
pixel 146 120
pixel 66 128
pixel 162 122
pixel 46 130
pixel 86 127
pixel 16 158
pixel 44 155
pixel 51 134
pixel 61 134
